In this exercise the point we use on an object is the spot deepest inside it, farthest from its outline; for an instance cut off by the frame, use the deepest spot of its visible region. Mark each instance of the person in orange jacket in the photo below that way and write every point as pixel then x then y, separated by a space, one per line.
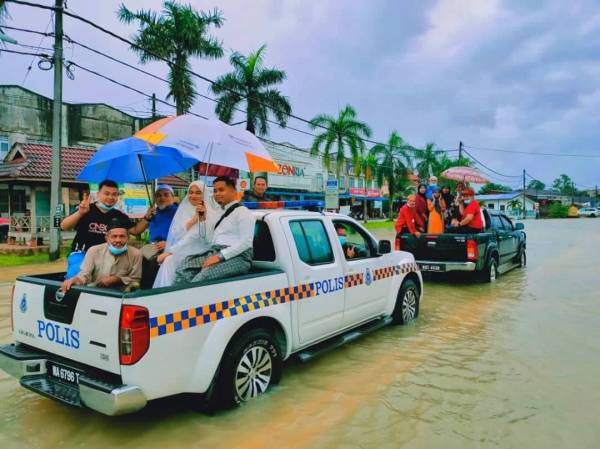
pixel 437 209
pixel 409 221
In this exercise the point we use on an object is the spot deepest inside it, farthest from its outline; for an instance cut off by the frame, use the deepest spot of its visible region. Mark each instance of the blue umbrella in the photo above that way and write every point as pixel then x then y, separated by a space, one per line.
pixel 135 160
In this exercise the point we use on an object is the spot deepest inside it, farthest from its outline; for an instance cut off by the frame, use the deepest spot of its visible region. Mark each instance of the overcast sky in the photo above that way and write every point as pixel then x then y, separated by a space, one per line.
pixel 512 75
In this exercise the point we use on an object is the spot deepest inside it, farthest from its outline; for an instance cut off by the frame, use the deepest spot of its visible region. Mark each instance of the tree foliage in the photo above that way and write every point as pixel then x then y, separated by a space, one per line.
pixel 394 160
pixel 491 187
pixel 177 34
pixel 536 185
pixel 252 84
pixel 342 134
pixel 564 184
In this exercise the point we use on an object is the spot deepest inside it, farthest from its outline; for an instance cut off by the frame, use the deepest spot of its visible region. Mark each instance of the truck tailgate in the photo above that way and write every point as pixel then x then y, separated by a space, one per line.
pixel 436 247
pixel 82 326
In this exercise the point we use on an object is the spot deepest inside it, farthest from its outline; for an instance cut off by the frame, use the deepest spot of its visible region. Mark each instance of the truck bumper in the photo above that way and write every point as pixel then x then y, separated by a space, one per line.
pixel 432 266
pixel 29 366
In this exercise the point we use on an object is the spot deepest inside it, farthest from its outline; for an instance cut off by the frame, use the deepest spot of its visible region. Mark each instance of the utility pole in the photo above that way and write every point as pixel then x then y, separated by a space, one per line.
pixel 153 107
pixel 56 205
pixel 524 208
pixel 460 150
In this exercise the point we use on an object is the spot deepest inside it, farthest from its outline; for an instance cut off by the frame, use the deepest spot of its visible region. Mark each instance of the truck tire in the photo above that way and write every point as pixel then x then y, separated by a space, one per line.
pixel 490 272
pixel 407 303
pixel 250 365
pixel 522 258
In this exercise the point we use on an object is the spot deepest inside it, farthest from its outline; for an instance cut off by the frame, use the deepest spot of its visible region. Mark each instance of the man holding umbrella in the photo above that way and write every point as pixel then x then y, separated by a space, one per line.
pixel 91 220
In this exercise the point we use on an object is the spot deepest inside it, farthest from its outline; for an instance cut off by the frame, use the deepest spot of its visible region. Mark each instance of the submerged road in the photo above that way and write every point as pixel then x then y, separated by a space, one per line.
pixel 515 364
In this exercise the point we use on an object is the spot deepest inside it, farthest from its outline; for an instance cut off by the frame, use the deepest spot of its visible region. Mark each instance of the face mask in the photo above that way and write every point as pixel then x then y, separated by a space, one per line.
pixel 103 206
pixel 116 251
pixel 410 205
pixel 467 202
pixel 342 240
pixel 433 185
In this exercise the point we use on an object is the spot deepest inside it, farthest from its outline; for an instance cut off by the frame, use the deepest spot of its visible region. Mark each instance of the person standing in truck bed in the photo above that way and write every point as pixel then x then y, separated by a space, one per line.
pixel 409 221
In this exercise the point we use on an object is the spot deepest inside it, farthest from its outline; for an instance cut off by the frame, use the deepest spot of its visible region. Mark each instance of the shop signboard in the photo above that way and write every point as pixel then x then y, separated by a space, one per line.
pixel 133 198
pixel 332 198
pixel 371 193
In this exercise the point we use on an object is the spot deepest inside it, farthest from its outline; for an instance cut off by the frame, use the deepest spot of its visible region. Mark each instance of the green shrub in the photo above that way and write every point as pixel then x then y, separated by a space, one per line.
pixel 557 210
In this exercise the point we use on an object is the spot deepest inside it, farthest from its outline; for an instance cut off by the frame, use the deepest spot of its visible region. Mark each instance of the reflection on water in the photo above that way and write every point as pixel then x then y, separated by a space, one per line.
pixel 513 364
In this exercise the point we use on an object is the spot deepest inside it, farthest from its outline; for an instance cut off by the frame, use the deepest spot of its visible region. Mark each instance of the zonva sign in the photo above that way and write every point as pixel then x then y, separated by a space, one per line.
pixel 290 170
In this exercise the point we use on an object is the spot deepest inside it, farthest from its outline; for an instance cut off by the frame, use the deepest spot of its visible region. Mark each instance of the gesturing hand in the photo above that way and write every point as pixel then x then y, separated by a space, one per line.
pixel 212 260
pixel 84 206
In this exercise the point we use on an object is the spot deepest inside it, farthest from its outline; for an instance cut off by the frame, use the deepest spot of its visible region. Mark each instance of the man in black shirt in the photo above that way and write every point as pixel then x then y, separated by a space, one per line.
pixel 91 220
pixel 259 190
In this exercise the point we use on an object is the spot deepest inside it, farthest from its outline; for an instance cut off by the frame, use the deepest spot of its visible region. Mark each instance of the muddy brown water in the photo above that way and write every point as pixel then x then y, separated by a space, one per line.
pixel 515 364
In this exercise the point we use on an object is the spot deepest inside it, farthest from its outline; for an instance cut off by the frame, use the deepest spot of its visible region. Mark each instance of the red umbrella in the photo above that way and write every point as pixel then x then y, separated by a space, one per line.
pixel 465 174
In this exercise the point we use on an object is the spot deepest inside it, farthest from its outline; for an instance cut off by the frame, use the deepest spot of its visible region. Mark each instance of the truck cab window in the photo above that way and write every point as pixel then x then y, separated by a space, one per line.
pixel 312 241
pixel 355 239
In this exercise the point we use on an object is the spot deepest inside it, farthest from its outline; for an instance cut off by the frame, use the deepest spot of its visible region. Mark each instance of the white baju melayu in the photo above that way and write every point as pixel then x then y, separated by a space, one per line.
pixel 182 242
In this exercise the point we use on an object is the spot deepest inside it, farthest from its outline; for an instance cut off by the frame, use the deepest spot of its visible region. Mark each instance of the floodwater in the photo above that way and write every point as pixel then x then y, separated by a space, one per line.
pixel 515 364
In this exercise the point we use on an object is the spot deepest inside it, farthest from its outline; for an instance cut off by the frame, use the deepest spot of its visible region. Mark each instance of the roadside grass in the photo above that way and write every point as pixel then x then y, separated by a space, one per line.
pixel 12 260
pixel 371 225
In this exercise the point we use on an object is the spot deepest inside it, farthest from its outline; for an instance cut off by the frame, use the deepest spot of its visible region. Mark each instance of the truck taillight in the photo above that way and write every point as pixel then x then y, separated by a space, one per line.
pixel 472 252
pixel 397 244
pixel 12 300
pixel 134 334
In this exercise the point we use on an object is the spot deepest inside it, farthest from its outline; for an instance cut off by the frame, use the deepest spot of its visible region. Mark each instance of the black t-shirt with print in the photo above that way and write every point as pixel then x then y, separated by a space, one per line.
pixel 92 227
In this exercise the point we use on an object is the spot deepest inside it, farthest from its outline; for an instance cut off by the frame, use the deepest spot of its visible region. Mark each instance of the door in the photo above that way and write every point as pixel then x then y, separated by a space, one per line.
pixel 315 265
pixel 503 238
pixel 364 298
pixel 511 238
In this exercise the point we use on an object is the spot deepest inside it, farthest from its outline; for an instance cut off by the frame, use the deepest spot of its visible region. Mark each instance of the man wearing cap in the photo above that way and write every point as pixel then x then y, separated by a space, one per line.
pixel 112 264
pixel 161 217
pixel 471 221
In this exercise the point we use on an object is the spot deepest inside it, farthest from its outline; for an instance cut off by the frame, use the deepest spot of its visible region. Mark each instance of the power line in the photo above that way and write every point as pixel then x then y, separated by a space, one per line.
pixel 37 49
pixel 490 169
pixel 534 153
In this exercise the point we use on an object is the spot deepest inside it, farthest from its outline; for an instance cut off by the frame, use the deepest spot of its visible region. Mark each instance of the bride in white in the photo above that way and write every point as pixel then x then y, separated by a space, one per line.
pixel 187 235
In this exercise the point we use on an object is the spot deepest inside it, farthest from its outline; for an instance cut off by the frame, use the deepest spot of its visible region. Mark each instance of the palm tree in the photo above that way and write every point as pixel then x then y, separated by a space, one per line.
pixel 394 162
pixel 429 160
pixel 178 34
pixel 252 83
pixel 515 205
pixel 366 164
pixel 345 132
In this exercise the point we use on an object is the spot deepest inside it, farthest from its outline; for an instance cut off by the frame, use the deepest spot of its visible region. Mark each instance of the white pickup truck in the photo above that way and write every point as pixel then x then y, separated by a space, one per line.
pixel 227 340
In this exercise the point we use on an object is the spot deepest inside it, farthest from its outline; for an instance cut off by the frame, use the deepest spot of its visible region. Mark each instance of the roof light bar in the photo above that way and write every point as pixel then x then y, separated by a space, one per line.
pixel 304 204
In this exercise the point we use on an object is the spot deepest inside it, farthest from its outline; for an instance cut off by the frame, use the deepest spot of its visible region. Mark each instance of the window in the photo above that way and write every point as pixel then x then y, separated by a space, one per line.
pixel 4 202
pixel 361 246
pixel 320 182
pixel 361 183
pixel 351 181
pixel 263 243
pixel 502 207
pixel 342 183
pixel 507 224
pixel 19 201
pixel 490 206
pixel 496 223
pixel 3 147
pixel 312 242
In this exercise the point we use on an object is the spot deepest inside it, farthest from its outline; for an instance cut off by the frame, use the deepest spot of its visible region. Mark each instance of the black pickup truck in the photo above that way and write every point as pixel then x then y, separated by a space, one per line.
pixel 499 248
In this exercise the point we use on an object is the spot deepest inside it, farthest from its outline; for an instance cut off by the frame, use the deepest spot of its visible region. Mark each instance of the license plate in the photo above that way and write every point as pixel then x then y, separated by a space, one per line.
pixel 63 373
pixel 432 267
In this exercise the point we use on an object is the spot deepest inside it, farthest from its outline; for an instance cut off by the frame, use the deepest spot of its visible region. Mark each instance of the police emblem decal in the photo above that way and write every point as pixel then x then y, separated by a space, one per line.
pixel 368 278
pixel 59 295
pixel 23 303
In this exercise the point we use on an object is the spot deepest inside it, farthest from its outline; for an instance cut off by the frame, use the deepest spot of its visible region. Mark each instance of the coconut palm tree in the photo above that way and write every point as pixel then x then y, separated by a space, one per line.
pixel 343 134
pixel 428 160
pixel 367 165
pixel 394 161
pixel 179 33
pixel 252 84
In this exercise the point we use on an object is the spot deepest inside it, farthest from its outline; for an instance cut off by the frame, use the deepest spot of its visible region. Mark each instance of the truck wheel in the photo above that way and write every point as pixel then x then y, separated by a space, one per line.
pixel 250 366
pixel 490 272
pixel 407 303
pixel 522 258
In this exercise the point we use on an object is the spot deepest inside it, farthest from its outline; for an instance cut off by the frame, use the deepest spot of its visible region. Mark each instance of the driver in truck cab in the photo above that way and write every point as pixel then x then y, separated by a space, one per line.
pixel 112 264
pixel 349 251
pixel 409 221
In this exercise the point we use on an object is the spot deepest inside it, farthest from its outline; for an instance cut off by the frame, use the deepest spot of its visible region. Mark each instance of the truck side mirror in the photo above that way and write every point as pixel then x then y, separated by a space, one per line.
pixel 519 226
pixel 384 247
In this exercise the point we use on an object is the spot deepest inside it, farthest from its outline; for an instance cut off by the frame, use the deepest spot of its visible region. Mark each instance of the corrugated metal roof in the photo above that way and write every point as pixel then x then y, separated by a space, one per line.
pixel 498 196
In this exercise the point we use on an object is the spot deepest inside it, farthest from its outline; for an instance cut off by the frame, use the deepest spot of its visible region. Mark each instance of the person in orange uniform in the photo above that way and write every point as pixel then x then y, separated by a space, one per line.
pixel 437 209
pixel 409 221
pixel 470 221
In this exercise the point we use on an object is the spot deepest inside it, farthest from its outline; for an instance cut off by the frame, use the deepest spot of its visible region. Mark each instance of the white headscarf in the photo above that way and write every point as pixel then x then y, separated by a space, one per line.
pixel 186 210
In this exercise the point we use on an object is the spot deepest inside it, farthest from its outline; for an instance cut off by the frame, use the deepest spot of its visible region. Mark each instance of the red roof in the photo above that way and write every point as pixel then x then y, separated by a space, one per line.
pixel 36 162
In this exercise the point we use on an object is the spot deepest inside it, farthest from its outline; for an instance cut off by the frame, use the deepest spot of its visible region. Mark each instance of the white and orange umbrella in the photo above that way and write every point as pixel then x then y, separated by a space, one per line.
pixel 211 141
